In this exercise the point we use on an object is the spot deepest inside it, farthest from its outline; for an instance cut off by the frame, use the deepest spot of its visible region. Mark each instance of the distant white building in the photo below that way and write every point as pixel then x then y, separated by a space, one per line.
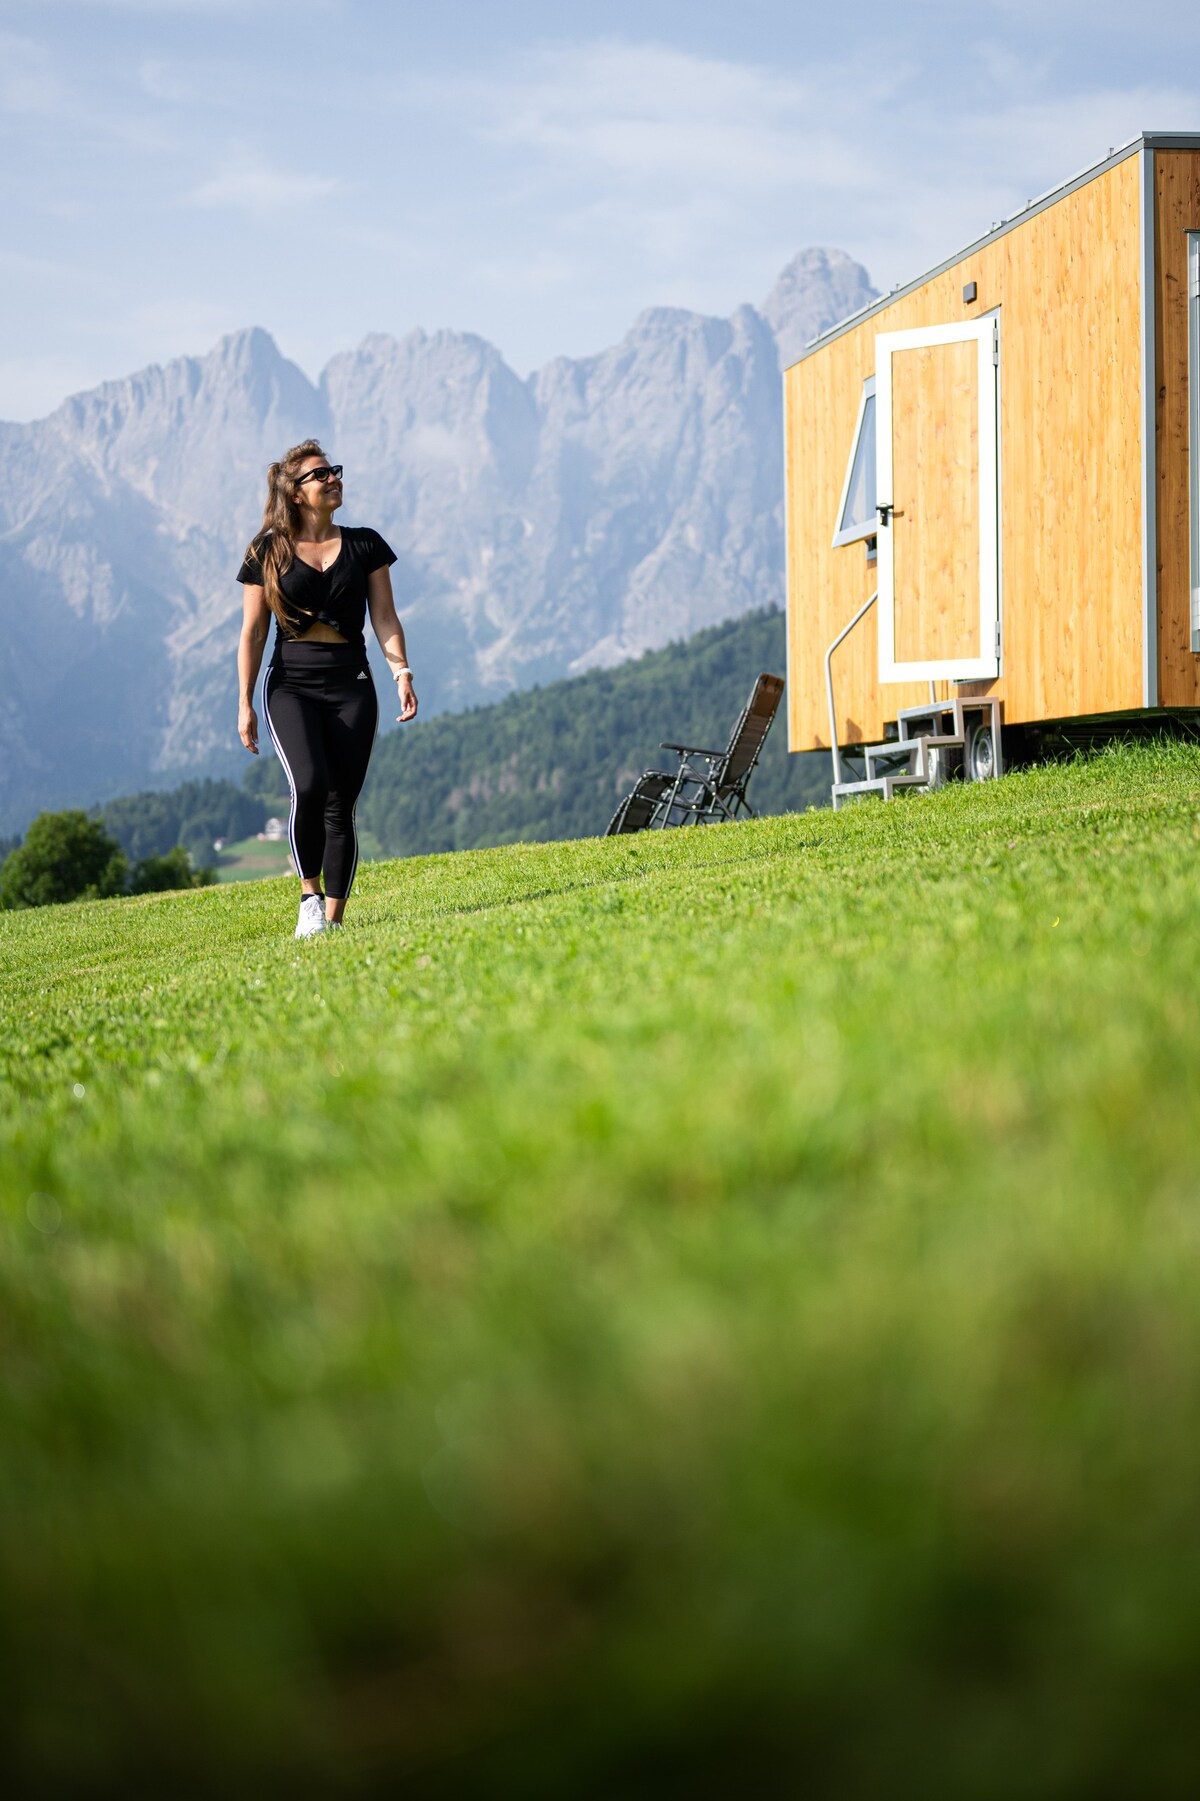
pixel 274 830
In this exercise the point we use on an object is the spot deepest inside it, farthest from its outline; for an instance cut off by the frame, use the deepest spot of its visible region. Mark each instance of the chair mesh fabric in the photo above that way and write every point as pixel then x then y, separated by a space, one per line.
pixel 748 734
pixel 639 805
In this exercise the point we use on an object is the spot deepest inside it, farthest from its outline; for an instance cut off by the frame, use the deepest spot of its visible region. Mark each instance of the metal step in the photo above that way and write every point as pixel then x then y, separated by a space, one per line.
pixel 912 752
pixel 963 711
pixel 892 752
pixel 907 748
pixel 934 709
pixel 882 785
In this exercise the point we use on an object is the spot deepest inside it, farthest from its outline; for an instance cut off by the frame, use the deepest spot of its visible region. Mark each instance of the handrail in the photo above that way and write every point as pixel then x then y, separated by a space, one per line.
pixel 844 633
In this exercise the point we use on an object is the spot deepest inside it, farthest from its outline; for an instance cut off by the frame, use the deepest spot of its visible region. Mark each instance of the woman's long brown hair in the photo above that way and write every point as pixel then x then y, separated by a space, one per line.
pixel 275 546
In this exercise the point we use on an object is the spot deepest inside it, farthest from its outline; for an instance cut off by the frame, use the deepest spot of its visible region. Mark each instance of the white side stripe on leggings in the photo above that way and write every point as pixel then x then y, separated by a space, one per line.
pixel 287 770
pixel 354 808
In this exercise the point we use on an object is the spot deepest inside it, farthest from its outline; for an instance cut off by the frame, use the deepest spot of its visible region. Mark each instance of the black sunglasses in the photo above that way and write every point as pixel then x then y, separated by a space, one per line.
pixel 328 472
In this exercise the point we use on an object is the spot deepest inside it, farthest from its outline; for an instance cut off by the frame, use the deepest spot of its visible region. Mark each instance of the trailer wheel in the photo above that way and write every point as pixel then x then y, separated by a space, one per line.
pixel 979 751
pixel 942 765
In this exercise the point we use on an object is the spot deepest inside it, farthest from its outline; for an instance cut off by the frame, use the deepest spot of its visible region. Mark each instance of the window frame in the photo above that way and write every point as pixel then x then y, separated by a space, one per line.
pixel 854 534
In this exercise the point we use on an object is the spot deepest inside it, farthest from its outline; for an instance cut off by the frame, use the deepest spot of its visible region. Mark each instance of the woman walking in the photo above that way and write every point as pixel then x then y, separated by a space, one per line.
pixel 318 698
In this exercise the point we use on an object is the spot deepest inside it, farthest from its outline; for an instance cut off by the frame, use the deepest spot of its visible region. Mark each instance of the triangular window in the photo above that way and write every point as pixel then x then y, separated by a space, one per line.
pixel 857 516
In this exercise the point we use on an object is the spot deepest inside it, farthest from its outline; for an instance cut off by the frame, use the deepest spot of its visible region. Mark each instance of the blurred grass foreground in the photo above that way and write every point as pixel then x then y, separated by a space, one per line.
pixel 713 1312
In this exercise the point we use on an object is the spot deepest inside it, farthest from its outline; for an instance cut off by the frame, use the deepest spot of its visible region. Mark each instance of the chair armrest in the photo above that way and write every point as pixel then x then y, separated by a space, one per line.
pixel 691 750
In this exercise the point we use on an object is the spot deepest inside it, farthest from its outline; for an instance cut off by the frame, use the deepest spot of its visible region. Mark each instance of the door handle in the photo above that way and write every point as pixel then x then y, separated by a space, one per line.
pixel 887 512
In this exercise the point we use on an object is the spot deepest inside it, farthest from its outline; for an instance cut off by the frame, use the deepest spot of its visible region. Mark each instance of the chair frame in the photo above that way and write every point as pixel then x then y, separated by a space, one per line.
pixel 701 790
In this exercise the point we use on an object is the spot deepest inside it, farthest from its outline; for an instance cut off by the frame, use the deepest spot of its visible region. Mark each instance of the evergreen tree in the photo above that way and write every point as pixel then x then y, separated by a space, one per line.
pixel 265 781
pixel 65 857
pixel 154 874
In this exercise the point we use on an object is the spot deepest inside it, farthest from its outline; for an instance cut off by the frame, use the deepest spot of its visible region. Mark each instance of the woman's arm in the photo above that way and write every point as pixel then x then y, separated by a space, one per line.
pixel 256 623
pixel 390 633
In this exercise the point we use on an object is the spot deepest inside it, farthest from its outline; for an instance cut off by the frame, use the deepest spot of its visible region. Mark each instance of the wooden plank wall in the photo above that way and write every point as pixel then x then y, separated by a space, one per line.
pixel 1177 211
pixel 935 408
pixel 1067 283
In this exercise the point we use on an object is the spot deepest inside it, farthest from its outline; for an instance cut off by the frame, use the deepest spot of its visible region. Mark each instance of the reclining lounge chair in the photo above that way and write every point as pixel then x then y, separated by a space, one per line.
pixel 708 785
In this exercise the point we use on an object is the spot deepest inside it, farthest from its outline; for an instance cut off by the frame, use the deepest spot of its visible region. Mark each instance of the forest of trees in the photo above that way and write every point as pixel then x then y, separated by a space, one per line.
pixel 193 815
pixel 553 762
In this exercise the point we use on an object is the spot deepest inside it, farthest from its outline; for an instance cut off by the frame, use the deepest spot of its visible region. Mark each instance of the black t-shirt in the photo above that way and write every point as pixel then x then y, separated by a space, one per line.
pixel 337 595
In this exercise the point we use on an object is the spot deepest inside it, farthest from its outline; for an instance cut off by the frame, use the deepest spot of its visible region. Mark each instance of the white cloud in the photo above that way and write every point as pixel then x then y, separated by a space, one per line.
pixel 165 80
pixel 247 184
pixel 30 86
pixel 176 8
pixel 33 385
pixel 540 276
pixel 166 323
pixel 21 266
pixel 647 114
pixel 541 193
pixel 697 160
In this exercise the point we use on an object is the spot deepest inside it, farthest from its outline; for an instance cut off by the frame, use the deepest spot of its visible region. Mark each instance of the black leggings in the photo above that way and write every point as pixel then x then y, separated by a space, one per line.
pixel 321 711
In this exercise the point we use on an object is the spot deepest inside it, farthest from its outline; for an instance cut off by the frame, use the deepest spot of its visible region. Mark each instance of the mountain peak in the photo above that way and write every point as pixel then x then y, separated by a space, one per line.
pixel 816 289
pixel 249 346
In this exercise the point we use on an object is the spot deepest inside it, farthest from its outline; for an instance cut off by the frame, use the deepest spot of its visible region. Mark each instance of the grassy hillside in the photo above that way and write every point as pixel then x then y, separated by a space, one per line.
pixel 709 1313
pixel 250 859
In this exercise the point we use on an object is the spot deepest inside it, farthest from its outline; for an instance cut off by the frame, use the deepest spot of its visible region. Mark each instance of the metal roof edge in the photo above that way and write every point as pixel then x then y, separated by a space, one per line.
pixel 1151 140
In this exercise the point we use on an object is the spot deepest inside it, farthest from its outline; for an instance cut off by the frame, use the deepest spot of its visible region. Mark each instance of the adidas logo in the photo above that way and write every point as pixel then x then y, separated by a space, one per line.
pixel 363 676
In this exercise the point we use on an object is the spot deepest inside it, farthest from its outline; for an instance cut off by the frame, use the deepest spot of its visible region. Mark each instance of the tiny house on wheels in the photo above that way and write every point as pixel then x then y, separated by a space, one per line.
pixel 993 488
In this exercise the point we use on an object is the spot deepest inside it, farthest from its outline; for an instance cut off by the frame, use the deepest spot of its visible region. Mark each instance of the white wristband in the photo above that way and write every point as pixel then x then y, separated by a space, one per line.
pixel 399 672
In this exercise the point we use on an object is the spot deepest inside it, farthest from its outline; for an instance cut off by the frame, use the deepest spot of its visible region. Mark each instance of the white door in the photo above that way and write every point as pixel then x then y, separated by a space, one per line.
pixel 937 483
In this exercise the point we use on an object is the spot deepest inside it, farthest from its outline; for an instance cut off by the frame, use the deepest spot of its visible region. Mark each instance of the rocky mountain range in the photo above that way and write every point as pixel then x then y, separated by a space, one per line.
pixel 601 507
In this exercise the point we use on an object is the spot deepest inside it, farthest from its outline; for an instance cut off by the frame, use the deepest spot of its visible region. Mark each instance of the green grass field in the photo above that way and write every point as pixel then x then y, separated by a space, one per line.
pixel 712 1312
pixel 250 859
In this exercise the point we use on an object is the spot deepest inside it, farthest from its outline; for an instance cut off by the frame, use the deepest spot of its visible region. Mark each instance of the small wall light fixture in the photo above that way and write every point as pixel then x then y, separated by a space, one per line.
pixel 970 292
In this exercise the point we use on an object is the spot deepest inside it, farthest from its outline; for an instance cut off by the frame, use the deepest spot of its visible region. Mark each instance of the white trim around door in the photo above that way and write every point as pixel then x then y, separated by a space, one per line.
pixel 985 664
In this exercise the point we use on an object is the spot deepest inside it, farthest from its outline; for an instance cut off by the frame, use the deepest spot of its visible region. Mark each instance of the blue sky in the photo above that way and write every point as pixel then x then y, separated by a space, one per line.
pixel 534 171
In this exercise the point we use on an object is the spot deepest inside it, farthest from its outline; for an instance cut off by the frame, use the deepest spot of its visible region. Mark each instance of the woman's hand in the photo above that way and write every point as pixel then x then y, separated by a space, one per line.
pixel 248 726
pixel 407 697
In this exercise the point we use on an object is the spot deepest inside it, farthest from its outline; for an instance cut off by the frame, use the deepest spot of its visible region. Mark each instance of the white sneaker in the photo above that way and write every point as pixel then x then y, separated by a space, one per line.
pixel 312 917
